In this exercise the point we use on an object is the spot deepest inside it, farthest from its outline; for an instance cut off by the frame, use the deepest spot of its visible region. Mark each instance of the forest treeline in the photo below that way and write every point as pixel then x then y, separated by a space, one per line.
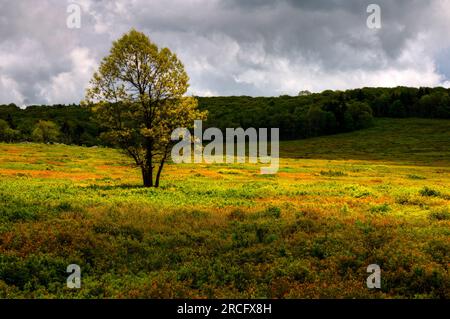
pixel 301 116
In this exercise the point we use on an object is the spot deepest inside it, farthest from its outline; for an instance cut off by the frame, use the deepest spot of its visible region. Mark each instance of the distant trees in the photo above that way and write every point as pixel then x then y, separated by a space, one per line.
pixel 357 116
pixel 73 132
pixel 46 132
pixel 7 134
pixel 72 121
pixel 407 102
pixel 397 109
pixel 319 121
pixel 297 117
pixel 436 104
pixel 327 112
pixel 380 104
pixel 304 93
pixel 137 95
pixel 8 131
pixel 302 116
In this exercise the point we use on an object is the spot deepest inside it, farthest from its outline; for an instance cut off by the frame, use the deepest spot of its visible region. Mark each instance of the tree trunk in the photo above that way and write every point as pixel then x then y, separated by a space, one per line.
pixel 160 168
pixel 158 175
pixel 147 176
pixel 147 166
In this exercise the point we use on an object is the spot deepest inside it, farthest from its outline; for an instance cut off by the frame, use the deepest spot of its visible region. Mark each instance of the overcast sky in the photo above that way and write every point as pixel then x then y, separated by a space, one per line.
pixel 229 47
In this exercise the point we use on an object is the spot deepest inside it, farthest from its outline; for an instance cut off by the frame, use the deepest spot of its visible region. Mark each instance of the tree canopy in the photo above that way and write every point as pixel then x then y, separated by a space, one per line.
pixel 137 96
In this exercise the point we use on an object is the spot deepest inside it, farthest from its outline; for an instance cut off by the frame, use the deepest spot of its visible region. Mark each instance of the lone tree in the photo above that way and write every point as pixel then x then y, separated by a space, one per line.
pixel 137 95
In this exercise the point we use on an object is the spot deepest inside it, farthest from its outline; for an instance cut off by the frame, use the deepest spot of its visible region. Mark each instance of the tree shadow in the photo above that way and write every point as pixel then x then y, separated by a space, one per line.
pixel 114 187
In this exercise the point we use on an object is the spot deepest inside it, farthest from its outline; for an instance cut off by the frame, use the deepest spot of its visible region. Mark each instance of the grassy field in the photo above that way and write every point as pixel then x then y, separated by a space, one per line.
pixel 338 204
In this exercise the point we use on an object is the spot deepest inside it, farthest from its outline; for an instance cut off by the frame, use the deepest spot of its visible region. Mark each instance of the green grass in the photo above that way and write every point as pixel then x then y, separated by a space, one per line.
pixel 416 141
pixel 338 204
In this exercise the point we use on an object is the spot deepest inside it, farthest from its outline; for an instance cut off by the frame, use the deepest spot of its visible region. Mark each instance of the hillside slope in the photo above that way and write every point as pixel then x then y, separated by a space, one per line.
pixel 420 141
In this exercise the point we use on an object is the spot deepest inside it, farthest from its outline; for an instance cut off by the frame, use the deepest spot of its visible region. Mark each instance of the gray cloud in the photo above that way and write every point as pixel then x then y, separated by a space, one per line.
pixel 229 47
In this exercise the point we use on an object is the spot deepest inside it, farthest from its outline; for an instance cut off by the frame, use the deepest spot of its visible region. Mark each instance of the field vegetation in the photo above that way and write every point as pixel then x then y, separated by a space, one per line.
pixel 338 203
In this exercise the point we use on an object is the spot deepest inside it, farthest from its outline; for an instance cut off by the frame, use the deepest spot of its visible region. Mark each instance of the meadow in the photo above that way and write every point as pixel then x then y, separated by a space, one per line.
pixel 338 203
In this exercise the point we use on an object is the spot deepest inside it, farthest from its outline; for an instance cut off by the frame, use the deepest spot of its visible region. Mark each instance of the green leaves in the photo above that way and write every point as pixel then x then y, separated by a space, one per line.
pixel 137 95
pixel 45 131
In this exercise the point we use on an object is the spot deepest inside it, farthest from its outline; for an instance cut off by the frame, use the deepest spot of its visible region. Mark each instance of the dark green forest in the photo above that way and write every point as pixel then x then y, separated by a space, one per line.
pixel 302 116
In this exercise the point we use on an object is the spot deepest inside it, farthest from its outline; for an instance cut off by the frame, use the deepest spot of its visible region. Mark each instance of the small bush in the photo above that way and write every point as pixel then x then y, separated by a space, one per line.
pixel 443 214
pixel 119 230
pixel 64 207
pixel 383 208
pixel 426 191
pixel 403 199
pixel 228 172
pixel 299 271
pixel 439 250
pixel 273 211
pixel 17 213
pixel 331 173
pixel 236 214
pixel 413 176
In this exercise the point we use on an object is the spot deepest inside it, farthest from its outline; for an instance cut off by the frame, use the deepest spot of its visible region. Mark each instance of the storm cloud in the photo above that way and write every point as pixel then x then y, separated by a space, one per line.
pixel 229 47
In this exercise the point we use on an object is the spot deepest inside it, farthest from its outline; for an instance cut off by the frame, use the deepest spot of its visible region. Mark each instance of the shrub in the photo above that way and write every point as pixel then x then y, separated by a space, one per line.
pixel 442 214
pixel 332 173
pixel 413 176
pixel 273 211
pixel 33 271
pixel 383 208
pixel 299 270
pixel 236 214
pixel 439 250
pixel 426 191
